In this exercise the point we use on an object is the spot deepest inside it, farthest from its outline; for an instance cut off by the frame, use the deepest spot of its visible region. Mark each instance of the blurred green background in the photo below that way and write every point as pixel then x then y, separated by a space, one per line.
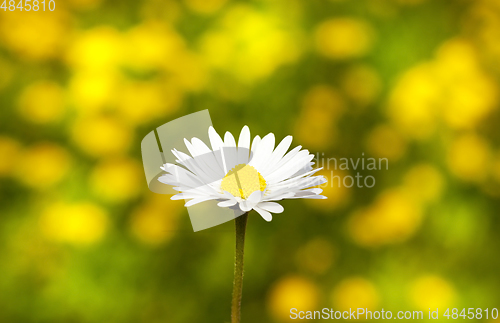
pixel 413 81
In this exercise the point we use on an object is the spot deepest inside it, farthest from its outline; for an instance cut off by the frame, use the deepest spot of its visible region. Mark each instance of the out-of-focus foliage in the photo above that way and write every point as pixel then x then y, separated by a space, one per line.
pixel 413 81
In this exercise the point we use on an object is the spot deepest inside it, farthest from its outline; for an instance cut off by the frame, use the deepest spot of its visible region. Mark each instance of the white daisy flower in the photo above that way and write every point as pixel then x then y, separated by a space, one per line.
pixel 244 176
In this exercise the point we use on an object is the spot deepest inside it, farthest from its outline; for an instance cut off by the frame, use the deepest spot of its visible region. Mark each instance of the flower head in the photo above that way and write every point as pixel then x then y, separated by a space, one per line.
pixel 250 174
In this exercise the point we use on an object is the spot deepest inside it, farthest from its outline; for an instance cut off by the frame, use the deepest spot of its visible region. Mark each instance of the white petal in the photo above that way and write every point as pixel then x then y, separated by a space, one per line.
pixel 255 197
pixel 263 152
pixel 264 214
pixel 229 151
pixel 272 207
pixel 229 140
pixel 255 143
pixel 206 157
pixel 215 139
pixel 199 200
pixel 251 201
pixel 290 168
pixel 246 206
pixel 285 159
pixel 227 203
pixel 244 145
pixel 277 154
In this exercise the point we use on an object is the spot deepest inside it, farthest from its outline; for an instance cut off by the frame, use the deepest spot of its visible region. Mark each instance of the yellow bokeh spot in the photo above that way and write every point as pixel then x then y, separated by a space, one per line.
pixel 292 292
pixel 9 155
pixel 468 93
pixel 101 136
pixel 249 45
pixel 432 292
pixel 353 293
pixel 412 103
pixel 468 157
pixel 80 224
pixel 424 182
pixel 385 142
pixel 316 256
pixel 452 87
pixel 189 71
pixel 34 35
pixel 344 38
pixel 362 84
pixel 42 102
pixel 316 124
pixel 242 181
pixel 92 91
pixel 152 45
pixel 155 222
pixel 141 102
pixel 96 49
pixel 482 24
pixel 43 165
pixel 205 6
pixel 337 194
pixel 117 180
pixel 393 217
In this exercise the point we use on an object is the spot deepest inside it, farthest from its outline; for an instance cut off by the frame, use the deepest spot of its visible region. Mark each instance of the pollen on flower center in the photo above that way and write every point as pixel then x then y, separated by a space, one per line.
pixel 242 181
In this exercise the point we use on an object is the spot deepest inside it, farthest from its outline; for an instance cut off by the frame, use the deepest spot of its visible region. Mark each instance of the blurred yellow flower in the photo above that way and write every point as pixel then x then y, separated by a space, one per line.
pixel 205 6
pixel 79 224
pixel 158 47
pixel 424 182
pixel 292 292
pixel 42 102
pixel 10 150
pixel 250 45
pixel 117 180
pixel 33 35
pixel 155 221
pixel 101 136
pixel 344 38
pixel 337 194
pixel 151 45
pixel 412 103
pixel 362 84
pixel 141 102
pixel 316 124
pixel 43 165
pixel 90 92
pixel 385 142
pixel 353 293
pixel 452 87
pixel 96 49
pixel 189 71
pixel 393 217
pixel 468 157
pixel 432 292
pixel 468 93
pixel 482 24
pixel 316 256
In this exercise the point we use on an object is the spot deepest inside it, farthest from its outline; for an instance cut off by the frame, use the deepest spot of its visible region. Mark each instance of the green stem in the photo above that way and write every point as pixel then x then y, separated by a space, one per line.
pixel 241 224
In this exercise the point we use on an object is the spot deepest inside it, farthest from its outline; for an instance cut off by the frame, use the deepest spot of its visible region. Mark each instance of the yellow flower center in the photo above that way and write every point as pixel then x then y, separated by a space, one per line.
pixel 242 181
